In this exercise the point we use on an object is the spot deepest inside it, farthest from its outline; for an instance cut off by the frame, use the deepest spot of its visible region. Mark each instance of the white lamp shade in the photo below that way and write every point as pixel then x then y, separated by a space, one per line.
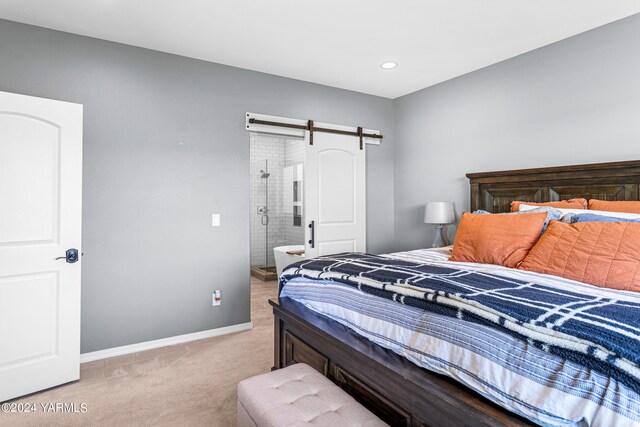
pixel 439 213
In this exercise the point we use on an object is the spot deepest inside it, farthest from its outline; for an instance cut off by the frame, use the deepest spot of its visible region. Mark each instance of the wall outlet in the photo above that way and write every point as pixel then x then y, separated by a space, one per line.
pixel 215 220
pixel 216 298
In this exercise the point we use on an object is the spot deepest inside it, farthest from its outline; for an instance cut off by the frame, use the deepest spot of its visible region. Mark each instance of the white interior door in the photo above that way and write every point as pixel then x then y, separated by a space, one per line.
pixel 334 188
pixel 40 218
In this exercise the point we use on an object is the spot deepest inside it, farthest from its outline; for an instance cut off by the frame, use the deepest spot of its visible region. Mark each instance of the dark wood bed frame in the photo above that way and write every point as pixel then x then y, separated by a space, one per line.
pixel 398 391
pixel 494 191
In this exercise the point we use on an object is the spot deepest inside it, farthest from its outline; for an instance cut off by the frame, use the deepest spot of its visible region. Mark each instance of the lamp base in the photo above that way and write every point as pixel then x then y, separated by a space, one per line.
pixel 441 239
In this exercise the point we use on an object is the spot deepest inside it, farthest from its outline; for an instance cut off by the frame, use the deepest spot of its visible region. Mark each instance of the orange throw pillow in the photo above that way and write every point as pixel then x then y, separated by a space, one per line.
pixel 496 239
pixel 605 254
pixel 561 204
pixel 615 206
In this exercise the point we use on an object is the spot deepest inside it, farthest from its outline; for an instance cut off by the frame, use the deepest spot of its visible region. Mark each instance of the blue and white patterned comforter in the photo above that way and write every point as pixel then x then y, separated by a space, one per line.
pixel 546 388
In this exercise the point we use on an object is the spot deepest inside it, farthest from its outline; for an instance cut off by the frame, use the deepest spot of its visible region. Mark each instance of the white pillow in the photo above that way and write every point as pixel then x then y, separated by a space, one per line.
pixel 625 215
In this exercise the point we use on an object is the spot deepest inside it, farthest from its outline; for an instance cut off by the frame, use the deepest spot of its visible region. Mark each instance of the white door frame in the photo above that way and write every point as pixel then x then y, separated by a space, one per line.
pixel 304 134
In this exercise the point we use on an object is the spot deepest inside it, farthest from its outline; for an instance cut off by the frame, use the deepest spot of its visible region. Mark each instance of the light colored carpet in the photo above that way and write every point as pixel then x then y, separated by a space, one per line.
pixel 191 384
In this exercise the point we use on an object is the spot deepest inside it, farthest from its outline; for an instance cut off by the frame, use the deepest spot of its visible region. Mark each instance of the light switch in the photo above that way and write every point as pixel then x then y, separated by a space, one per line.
pixel 215 220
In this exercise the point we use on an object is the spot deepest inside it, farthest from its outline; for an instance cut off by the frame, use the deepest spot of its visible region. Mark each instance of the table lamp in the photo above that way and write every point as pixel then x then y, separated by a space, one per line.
pixel 440 214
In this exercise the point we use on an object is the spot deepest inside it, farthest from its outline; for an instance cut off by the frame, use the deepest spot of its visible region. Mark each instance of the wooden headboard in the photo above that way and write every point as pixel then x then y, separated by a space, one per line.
pixel 494 191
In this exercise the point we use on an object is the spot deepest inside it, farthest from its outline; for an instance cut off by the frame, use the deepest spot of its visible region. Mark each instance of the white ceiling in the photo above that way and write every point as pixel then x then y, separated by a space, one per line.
pixel 338 43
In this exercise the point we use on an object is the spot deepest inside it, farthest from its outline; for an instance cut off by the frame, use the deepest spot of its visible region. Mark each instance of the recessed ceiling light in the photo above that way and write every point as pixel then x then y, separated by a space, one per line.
pixel 388 65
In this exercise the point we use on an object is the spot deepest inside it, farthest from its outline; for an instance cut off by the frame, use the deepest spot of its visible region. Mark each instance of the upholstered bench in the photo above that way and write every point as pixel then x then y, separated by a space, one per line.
pixel 297 396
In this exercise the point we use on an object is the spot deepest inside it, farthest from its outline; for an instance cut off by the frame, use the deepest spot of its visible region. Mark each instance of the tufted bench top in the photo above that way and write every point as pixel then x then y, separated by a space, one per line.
pixel 298 396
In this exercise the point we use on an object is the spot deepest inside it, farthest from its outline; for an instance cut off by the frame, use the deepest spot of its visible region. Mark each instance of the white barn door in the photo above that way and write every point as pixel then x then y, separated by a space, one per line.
pixel 334 188
pixel 40 219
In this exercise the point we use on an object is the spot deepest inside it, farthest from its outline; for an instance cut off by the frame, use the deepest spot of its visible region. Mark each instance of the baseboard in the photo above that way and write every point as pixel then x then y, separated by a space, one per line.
pixel 164 342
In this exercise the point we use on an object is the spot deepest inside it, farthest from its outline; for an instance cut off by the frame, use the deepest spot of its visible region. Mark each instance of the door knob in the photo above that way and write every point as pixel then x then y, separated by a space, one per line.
pixel 71 256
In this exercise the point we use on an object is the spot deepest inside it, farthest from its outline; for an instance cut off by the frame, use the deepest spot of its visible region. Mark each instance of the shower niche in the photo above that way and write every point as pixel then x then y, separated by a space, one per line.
pixel 277 201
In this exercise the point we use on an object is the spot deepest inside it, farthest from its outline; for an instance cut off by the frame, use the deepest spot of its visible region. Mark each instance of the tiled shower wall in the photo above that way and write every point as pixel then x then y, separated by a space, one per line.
pixel 293 156
pixel 280 153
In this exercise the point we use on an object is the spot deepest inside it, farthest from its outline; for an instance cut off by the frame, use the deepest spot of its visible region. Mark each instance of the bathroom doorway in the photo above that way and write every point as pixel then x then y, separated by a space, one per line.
pixel 277 202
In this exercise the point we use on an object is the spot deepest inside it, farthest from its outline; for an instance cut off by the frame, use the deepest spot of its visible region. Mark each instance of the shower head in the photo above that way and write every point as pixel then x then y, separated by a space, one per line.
pixel 264 174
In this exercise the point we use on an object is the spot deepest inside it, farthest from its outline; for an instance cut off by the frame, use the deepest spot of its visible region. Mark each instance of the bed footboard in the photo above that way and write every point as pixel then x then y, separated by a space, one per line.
pixel 396 390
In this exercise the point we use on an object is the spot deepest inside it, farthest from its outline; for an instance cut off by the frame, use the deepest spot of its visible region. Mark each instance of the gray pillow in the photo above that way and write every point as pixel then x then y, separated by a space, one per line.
pixel 552 214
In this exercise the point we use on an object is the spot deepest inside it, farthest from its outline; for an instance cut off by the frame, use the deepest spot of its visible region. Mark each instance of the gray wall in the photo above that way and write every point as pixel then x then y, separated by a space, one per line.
pixel 164 147
pixel 576 101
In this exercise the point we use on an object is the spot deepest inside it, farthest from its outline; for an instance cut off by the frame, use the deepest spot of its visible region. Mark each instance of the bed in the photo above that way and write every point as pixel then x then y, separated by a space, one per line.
pixel 396 388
